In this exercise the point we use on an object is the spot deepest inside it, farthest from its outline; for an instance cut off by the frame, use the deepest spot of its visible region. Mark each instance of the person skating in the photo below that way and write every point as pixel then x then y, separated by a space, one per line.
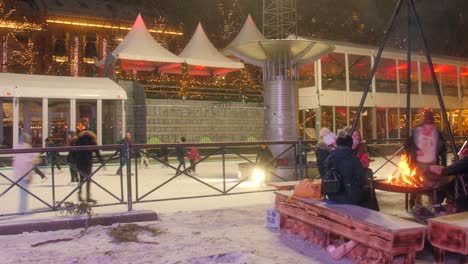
pixel 193 157
pixel 180 152
pixel 84 162
pixel 72 140
pixel 23 166
pixel 126 140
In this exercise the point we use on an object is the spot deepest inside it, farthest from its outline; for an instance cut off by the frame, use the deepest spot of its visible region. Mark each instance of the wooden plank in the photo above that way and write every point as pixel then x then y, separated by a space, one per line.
pixel 369 217
pixel 450 232
pixel 395 236
pixel 409 243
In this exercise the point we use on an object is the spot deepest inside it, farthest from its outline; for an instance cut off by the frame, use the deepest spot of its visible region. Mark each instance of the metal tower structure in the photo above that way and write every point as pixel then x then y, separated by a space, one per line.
pixel 279 18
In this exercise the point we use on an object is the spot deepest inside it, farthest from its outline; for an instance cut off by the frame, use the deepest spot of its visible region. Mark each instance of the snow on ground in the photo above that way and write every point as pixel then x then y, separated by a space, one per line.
pixel 227 229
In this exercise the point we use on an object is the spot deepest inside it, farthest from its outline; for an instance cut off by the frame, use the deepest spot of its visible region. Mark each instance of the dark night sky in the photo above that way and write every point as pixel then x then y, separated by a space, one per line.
pixel 445 22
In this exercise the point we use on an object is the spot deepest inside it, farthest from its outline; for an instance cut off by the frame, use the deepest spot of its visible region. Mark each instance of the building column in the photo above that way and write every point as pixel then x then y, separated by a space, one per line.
pixel 26 118
pixel 124 124
pixel 72 115
pixel 1 123
pixel 99 121
pixel 15 121
pixel 45 120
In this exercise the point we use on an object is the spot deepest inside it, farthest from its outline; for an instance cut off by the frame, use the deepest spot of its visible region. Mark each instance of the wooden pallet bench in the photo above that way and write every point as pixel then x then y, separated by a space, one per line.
pixel 449 233
pixel 366 236
pixel 284 185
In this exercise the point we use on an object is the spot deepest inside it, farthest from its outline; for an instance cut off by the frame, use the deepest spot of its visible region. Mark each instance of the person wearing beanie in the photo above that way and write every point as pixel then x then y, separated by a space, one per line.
pixel 351 173
pixel 326 144
pixel 427 147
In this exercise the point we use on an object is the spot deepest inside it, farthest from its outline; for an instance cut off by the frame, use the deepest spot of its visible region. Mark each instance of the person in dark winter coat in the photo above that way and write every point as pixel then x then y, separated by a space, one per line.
pixel 348 166
pixel 180 153
pixel 84 162
pixel 72 140
pixel 459 167
pixel 127 139
pixel 264 156
pixel 325 146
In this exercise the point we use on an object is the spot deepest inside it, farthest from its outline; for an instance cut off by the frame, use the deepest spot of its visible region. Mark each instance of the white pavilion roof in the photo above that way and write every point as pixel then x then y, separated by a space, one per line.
pixel 63 87
pixel 139 51
pixel 203 58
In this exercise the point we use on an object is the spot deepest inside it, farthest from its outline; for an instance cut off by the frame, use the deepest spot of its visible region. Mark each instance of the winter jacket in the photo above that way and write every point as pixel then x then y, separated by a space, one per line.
pixel 459 167
pixel 321 155
pixel 180 153
pixel 84 158
pixel 264 157
pixel 193 154
pixel 353 179
pixel 362 154
pixel 24 162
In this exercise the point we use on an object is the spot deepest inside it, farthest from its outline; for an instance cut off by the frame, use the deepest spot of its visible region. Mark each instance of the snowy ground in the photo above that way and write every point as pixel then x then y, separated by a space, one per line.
pixel 228 229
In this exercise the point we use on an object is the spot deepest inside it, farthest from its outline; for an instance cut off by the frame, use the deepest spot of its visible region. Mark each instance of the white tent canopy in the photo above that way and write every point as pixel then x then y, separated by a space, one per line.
pixel 252 47
pixel 203 58
pixel 139 51
pixel 44 86
pixel 248 33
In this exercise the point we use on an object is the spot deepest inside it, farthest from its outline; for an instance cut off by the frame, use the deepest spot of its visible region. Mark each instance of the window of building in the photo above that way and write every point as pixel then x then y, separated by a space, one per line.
pixel 366 118
pixel 86 115
pixel 394 123
pixel 402 70
pixel 385 76
pixel 306 76
pixel 30 119
pixel 59 121
pixel 464 81
pixel 327 117
pixel 307 119
pixel 333 72
pixel 427 84
pixel 464 122
pixel 341 117
pixel 449 79
pixel 111 131
pixel 454 121
pixel 359 70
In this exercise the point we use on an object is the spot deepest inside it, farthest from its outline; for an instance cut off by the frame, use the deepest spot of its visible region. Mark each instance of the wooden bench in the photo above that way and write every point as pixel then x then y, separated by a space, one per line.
pixel 449 233
pixel 374 237
pixel 283 185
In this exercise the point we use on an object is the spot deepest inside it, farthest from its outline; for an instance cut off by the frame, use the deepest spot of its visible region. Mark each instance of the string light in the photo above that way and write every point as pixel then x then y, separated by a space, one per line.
pixel 5 55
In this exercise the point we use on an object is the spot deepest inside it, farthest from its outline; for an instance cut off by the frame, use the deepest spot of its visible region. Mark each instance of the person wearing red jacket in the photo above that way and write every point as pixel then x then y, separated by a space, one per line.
pixel 193 157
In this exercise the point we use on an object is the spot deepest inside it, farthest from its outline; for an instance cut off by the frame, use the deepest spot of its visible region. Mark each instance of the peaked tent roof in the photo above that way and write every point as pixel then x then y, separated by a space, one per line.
pixel 248 33
pixel 203 58
pixel 139 51
pixel 252 47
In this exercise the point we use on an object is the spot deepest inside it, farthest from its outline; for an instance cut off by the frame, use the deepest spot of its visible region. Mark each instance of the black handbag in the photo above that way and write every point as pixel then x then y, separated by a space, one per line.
pixel 331 183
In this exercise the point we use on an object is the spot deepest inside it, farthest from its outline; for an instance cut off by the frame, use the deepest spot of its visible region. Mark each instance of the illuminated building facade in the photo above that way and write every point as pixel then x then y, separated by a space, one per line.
pixel 336 82
pixel 65 38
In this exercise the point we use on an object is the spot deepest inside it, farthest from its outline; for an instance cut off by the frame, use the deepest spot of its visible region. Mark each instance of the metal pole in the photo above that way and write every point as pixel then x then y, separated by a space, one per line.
pixel 224 169
pixel 376 63
pixel 408 77
pixel 439 95
pixel 301 163
pixel 128 162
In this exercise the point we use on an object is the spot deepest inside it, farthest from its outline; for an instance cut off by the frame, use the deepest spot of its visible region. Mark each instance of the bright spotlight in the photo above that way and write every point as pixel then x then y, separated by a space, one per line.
pixel 258 176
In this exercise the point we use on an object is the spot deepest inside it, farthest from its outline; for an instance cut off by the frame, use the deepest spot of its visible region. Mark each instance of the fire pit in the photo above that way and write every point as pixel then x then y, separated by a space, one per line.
pixel 383 185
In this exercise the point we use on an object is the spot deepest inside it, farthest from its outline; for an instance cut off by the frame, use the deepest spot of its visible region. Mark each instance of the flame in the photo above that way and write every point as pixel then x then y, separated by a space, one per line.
pixel 405 175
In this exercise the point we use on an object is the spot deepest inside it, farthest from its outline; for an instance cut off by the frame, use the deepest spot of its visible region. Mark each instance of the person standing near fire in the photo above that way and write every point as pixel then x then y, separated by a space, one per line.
pixel 428 148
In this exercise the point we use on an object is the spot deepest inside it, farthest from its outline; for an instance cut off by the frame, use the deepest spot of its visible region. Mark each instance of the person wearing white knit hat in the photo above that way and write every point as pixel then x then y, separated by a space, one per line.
pixel 325 146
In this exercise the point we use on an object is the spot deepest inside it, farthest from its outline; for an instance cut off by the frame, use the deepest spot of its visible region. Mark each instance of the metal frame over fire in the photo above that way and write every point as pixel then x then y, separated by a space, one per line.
pixel 412 14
